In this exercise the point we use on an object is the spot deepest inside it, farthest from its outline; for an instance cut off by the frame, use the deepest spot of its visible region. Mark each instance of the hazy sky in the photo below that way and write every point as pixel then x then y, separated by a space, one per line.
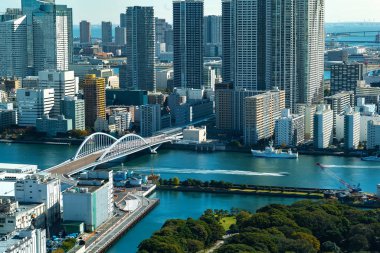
pixel 97 10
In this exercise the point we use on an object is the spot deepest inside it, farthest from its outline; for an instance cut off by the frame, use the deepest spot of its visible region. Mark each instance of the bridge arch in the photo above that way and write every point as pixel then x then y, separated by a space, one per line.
pixel 129 141
pixel 94 143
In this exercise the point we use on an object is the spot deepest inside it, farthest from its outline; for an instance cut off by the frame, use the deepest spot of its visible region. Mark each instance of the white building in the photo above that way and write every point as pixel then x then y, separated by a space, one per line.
pixel 53 126
pixel 63 83
pixel 13 43
pixel 373 135
pixel 73 108
pixel 351 129
pixel 196 135
pixel 150 123
pixel 289 129
pixel 323 126
pixel 41 189
pixel 18 168
pixel 25 241
pixel 90 202
pixel 308 111
pixel 15 216
pixel 162 77
pixel 364 126
pixel 33 104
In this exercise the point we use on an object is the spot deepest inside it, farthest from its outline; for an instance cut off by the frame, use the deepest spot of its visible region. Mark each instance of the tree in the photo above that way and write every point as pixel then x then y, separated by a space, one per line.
pixel 176 181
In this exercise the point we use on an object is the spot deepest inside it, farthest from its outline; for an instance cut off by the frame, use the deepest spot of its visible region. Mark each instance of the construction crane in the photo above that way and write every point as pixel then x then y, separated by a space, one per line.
pixel 350 187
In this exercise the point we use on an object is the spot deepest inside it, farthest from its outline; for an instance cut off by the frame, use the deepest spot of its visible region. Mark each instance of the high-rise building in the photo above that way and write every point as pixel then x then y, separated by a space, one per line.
pixel 351 129
pixel 310 29
pixel 33 104
pixel 164 34
pixel 289 129
pixel 120 36
pixel 10 14
pixel 73 108
pixel 270 44
pixel 63 83
pixel 345 77
pixel 188 43
pixel 323 126
pixel 150 119
pixel 52 34
pixel 106 32
pixel 339 102
pixel 13 41
pixel 140 48
pixel 28 7
pixel 308 112
pixel 260 113
pixel 94 90
pixel 212 36
pixel 373 134
pixel 123 20
pixel 85 32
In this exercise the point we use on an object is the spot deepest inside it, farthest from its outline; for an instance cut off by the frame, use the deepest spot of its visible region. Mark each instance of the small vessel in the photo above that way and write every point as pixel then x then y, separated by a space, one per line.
pixel 375 158
pixel 271 152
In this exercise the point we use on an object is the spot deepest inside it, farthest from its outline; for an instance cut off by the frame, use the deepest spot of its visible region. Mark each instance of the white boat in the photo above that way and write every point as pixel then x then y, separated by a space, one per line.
pixel 371 158
pixel 271 152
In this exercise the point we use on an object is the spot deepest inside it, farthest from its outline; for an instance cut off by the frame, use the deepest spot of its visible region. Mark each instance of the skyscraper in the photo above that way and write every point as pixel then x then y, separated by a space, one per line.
pixel 52 30
pixel 310 21
pixel 13 41
pixel 106 32
pixel 123 20
pixel 120 36
pixel 188 43
pixel 212 35
pixel 85 32
pixel 140 48
pixel 94 90
pixel 28 6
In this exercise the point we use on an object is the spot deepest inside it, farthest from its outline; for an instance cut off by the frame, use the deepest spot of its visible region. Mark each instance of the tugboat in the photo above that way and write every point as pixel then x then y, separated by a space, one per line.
pixel 271 152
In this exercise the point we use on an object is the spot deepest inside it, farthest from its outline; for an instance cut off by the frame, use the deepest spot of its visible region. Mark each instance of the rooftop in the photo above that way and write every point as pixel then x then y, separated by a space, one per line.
pixel 12 241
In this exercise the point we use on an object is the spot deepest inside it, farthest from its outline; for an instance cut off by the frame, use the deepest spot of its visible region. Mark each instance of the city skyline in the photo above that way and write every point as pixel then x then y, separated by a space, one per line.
pixel 336 10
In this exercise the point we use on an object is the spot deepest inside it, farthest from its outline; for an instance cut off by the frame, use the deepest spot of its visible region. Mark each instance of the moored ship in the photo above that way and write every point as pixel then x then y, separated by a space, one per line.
pixel 271 152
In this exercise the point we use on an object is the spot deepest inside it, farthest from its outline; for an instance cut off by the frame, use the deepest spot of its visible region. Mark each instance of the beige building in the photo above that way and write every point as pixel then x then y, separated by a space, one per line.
pixel 95 99
pixel 260 113
pixel 193 134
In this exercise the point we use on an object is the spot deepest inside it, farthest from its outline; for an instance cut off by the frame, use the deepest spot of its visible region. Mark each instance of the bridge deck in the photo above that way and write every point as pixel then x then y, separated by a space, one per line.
pixel 66 169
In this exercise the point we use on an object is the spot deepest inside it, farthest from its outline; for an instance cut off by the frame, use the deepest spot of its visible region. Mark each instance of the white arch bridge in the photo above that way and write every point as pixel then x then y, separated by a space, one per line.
pixel 100 148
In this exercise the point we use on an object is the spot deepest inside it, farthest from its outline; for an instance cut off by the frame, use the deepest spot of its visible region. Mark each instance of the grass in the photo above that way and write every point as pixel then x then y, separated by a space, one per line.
pixel 227 222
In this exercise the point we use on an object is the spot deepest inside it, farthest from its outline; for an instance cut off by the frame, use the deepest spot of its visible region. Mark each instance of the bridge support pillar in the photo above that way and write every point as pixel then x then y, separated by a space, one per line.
pixel 153 150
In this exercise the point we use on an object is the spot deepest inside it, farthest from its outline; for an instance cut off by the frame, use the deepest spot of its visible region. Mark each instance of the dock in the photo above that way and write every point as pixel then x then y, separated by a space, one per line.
pixel 118 226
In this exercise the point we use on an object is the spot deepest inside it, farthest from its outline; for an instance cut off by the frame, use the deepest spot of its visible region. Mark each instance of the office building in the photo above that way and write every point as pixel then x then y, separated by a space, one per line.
pixel 28 7
pixel 10 14
pixel 52 38
pixel 373 134
pixel 54 126
pixel 123 20
pixel 323 126
pixel 85 32
pixel 212 36
pixel 345 77
pixel 25 241
pixel 13 41
pixel 120 36
pixel 260 113
pixel 94 90
pixel 7 119
pixel 289 129
pixel 164 36
pixel 33 104
pixel 351 129
pixel 41 189
pixel 370 94
pixel 339 102
pixel 92 201
pixel 73 108
pixel 140 48
pixel 106 32
pixel 150 120
pixel 30 82
pixel 188 43
pixel 123 97
pixel 63 83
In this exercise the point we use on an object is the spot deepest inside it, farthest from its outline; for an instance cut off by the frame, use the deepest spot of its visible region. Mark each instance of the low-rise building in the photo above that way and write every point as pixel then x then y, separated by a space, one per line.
pixel 25 241
pixel 18 168
pixel 54 126
pixel 194 134
pixel 91 201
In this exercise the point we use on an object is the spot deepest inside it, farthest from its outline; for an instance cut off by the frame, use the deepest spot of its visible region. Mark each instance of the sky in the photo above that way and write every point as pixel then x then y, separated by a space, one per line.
pixel 97 10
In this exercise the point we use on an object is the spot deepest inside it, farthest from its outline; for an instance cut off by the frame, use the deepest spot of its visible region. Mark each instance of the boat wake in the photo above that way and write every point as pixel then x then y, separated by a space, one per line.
pixel 217 172
pixel 350 166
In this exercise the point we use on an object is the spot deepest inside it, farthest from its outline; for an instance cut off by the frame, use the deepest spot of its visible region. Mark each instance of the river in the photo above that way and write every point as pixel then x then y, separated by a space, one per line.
pixel 231 167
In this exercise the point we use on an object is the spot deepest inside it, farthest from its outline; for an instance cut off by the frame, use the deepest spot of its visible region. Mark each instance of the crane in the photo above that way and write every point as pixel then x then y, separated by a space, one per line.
pixel 350 187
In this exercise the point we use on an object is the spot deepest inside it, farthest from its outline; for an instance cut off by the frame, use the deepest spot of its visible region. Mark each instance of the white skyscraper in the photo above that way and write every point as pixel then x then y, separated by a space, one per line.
pixel 13 41
pixel 51 34
pixel 33 104
pixel 351 129
pixel 323 126
pixel 63 83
